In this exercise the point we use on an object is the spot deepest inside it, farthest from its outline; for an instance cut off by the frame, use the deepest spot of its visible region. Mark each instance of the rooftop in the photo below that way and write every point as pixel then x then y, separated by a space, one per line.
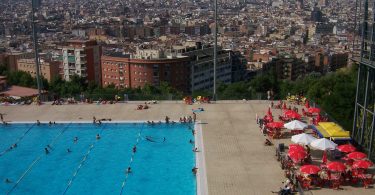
pixel 19 91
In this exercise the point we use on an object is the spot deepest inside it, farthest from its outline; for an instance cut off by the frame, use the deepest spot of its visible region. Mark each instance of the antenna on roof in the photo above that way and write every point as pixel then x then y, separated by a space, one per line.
pixel 215 52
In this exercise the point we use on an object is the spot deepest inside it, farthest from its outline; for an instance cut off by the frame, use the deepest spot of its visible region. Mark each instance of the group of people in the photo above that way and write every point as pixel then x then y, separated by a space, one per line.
pixel 143 107
pixel 48 147
pixel 49 123
pixel 72 100
pixel 185 119
pixel 153 123
pixel 167 121
pixel 199 99
pixel 99 121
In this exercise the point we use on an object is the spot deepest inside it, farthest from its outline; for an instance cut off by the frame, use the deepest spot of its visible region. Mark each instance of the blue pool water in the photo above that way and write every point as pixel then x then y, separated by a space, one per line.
pixel 97 166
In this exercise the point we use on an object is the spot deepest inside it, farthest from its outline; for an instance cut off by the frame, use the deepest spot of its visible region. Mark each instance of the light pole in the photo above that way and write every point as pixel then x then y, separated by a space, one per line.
pixel 215 50
pixel 35 4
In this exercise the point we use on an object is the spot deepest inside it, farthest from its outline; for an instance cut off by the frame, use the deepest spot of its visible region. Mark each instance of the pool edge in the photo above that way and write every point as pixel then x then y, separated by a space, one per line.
pixel 200 162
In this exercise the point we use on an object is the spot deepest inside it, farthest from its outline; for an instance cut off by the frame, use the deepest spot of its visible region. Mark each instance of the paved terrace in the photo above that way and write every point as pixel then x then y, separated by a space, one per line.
pixel 237 163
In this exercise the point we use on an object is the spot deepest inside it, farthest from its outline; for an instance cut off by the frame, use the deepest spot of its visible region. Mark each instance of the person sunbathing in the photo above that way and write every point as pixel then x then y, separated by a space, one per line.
pixel 267 142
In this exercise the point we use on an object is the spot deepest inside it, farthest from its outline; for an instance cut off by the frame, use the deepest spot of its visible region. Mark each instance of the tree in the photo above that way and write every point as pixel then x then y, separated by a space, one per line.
pixel 3 70
pixel 235 91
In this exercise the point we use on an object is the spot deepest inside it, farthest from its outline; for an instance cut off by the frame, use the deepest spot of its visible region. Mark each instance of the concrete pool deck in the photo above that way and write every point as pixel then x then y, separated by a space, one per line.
pixel 237 162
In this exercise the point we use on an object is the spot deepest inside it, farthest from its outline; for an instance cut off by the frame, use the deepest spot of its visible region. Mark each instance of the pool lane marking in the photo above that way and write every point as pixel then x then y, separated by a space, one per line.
pixel 18 140
pixel 82 162
pixel 35 161
pixel 131 159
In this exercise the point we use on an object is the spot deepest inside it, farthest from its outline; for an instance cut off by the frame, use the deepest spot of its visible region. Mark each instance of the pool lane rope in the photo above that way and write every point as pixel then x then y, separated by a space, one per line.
pixel 82 162
pixel 18 140
pixel 37 160
pixel 131 160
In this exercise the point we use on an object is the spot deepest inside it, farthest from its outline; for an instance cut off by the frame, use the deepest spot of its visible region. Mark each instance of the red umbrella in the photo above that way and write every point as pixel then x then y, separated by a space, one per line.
pixel 275 124
pixel 347 148
pixel 307 104
pixel 357 155
pixel 336 166
pixel 310 169
pixel 294 115
pixel 288 112
pixel 313 110
pixel 295 147
pixel 296 155
pixel 362 164
pixel 268 118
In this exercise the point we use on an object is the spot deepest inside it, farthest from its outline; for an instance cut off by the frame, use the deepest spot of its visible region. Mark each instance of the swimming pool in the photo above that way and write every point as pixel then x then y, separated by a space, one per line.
pixel 97 166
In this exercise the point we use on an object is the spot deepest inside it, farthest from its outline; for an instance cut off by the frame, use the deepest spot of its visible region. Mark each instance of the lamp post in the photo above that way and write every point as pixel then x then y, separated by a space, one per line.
pixel 35 5
pixel 215 51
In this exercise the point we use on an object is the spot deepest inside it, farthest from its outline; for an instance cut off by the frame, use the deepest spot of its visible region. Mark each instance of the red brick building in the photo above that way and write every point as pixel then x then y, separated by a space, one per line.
pixel 123 71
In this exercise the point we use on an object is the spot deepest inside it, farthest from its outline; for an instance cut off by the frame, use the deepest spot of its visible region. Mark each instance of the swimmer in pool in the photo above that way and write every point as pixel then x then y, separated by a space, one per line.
pixel 128 170
pixel 14 146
